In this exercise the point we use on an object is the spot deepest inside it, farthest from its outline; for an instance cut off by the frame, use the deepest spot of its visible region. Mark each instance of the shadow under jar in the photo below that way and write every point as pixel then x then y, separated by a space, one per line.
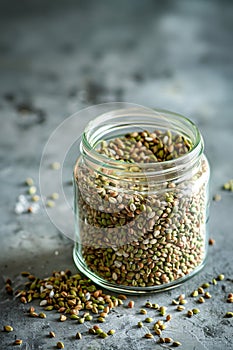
pixel 141 200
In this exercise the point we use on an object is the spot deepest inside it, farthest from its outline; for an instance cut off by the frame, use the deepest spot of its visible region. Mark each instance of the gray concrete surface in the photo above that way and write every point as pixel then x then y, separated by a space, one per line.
pixel 59 57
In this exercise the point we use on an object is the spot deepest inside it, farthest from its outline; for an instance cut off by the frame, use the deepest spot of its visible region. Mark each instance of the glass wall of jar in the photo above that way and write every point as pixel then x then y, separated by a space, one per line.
pixel 141 200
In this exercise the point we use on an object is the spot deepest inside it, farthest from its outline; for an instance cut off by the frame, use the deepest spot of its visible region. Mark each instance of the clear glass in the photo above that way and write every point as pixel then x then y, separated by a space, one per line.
pixel 141 226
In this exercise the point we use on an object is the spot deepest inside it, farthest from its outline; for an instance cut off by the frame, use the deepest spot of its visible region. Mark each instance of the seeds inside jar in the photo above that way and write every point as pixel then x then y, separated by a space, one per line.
pixel 134 232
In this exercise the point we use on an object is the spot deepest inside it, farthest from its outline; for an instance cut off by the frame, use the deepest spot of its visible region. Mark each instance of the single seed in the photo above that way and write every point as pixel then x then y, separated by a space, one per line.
pixel 195 311
pixel 55 166
pixel 211 241
pixel 175 302
pixel 35 198
pixel 42 315
pixel 78 335
pixel 111 331
pixel 229 314
pixel 25 273
pixel 23 300
pixel 74 317
pixel 50 203
pixel 29 298
pixel 49 308
pixel 99 330
pixel 9 289
pixel 95 327
pixel 214 281
pixel 228 185
pixel 133 207
pixel 33 314
pixel 131 304
pixel 201 300
pixel 91 331
pixel 161 340
pixel 54 196
pixel 162 327
pixel 101 319
pixel 205 285
pixel 189 313
pixel 201 290
pixel 29 181
pixel 148 304
pixel 62 318
pixel 52 334
pixel 194 293
pixel 94 310
pixel 60 345
pixel 112 200
pixel 43 303
pixel 168 340
pixel 183 302
pixel 8 328
pixel 158 331
pixel 122 297
pixel 143 312
pixel 207 295
pixel 168 317
pixel 103 335
pixel 62 309
pixel 140 324
pixel 89 317
pixel 18 342
pixel 148 336
pixel 220 277
pixel 155 306
pixel 217 197
pixel 32 190
pixel 81 320
pixel 106 309
pixel 181 297
pixel 180 308
pixel 163 310
pixel 176 343
pixel 110 305
pixel 149 320
pixel 31 277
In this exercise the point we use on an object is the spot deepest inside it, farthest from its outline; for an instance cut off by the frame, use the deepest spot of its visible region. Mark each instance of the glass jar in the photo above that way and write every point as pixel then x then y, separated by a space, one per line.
pixel 141 200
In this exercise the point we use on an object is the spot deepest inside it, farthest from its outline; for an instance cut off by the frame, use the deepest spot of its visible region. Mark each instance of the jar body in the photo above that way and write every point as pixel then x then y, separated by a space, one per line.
pixel 145 232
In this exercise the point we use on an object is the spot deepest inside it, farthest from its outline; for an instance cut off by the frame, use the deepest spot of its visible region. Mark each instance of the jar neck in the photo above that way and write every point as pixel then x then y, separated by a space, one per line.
pixel 117 123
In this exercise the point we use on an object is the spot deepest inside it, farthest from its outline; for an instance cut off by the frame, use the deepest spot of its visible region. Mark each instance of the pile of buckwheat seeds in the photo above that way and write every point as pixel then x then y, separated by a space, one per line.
pixel 131 232
pixel 77 300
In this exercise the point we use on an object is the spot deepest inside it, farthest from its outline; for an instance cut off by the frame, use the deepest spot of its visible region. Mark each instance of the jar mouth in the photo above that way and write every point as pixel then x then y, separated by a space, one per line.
pixel 118 122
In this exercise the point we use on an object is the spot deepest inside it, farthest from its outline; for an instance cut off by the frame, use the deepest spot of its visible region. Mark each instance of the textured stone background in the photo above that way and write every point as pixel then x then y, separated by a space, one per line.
pixel 58 57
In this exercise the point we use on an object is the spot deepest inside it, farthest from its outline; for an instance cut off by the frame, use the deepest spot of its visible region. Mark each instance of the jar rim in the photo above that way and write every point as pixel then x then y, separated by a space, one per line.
pixel 102 124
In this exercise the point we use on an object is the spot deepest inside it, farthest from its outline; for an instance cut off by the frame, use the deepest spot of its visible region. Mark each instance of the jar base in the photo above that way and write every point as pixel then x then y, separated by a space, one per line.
pixel 130 289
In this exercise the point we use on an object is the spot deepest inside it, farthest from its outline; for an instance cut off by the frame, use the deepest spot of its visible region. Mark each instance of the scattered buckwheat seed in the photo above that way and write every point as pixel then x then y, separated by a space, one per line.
pixel 211 241
pixel 8 328
pixel 55 166
pixel 131 304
